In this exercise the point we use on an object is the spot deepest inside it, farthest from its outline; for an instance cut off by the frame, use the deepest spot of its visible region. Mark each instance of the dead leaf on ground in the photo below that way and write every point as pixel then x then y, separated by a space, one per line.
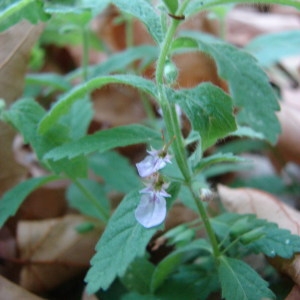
pixel 264 205
pixel 53 251
pixel 294 293
pixel 15 46
pixel 288 146
pixel 11 291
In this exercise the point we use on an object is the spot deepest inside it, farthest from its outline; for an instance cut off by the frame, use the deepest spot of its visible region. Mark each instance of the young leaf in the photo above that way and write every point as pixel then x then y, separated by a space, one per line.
pixel 249 86
pixel 240 281
pixel 79 200
pixel 12 199
pixel 13 11
pixel 55 81
pixel 106 164
pixel 144 11
pixel 104 140
pixel 217 158
pixel 210 111
pixel 123 240
pixel 64 104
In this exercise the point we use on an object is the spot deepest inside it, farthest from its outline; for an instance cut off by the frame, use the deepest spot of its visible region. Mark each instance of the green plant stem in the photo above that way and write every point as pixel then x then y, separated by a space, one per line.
pixel 92 200
pixel 85 54
pixel 173 127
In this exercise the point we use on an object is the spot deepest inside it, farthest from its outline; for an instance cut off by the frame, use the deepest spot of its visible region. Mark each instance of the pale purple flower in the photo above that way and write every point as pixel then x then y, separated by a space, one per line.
pixel 153 162
pixel 152 209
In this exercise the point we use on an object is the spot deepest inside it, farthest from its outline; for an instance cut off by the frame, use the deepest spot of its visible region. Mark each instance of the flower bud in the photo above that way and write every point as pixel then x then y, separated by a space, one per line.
pixel 170 72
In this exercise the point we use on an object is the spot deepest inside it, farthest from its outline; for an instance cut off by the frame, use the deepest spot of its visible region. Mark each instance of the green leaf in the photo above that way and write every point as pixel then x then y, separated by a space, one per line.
pixel 172 5
pixel 144 11
pixel 169 264
pixel 79 118
pixel 138 275
pixel 14 11
pixel 249 86
pixel 55 81
pixel 25 115
pixel 123 240
pixel 11 200
pixel 106 164
pixel 78 200
pixel 191 282
pixel 270 48
pixel 257 235
pixel 209 110
pixel 241 282
pixel 276 242
pixel 104 140
pixel 119 61
pixel 183 44
pixel 216 159
pixel 195 6
pixel 63 105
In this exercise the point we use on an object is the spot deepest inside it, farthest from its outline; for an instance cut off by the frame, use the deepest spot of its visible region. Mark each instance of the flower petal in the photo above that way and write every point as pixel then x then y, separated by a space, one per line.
pixel 146 167
pixel 151 210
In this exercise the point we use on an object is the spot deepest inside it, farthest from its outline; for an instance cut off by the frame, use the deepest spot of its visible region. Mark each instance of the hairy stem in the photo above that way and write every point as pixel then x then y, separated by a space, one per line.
pixel 173 126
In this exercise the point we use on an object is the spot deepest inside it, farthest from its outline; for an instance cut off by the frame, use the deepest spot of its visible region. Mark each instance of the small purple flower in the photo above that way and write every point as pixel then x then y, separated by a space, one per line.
pixel 153 162
pixel 151 210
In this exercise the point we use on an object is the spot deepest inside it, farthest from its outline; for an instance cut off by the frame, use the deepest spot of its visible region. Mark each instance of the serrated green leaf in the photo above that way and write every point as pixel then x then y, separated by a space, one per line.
pixel 123 240
pixel 104 140
pixel 78 200
pixel 11 200
pixel 217 158
pixel 106 164
pixel 195 6
pixel 270 48
pixel 144 11
pixel 276 242
pixel 169 264
pixel 209 110
pixel 249 86
pixel 138 275
pixel 63 105
pixel 13 11
pixel 240 282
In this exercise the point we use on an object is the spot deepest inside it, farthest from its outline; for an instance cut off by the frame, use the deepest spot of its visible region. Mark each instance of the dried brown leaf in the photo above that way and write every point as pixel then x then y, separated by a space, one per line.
pixel 288 145
pixel 53 251
pixel 15 46
pixel 294 293
pixel 11 291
